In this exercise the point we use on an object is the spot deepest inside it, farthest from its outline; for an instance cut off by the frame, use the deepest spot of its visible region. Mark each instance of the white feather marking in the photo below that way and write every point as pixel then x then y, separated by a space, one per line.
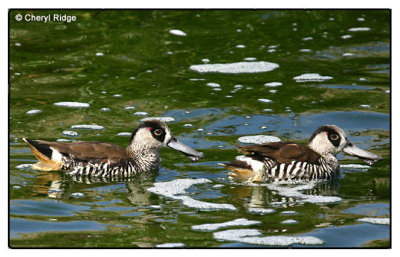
pixel 256 166
pixel 56 155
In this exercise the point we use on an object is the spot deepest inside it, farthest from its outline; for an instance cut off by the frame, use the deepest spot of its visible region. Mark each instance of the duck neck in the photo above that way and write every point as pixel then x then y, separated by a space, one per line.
pixel 145 158
pixel 328 156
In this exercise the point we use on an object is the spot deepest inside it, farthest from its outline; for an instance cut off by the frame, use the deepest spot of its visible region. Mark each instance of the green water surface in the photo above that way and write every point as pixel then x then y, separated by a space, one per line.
pixel 129 58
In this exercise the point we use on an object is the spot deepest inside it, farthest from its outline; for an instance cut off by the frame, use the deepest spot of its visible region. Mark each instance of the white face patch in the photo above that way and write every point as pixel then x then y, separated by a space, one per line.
pixel 168 136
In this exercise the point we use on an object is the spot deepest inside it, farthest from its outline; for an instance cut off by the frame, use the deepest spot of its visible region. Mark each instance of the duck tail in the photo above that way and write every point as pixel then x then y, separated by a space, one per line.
pixel 43 152
pixel 240 169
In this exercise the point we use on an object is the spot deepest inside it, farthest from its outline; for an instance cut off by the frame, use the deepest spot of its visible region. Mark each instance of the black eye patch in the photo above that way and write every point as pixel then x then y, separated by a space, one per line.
pixel 155 127
pixel 334 138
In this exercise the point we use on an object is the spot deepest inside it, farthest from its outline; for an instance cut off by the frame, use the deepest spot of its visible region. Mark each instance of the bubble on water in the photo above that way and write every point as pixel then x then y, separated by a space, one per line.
pixel 72 104
pixel 105 109
pixel 24 166
pixel 289 222
pixel 130 108
pixel 305 50
pixel 354 166
pixel 272 46
pixel 273 84
pixel 177 32
pixel 176 189
pixel 289 213
pixel 238 67
pixel 195 79
pixel 163 119
pixel 214 85
pixel 217 186
pixel 169 52
pixel 263 127
pixel 17 44
pixel 362 79
pixel 380 221
pixel 248 117
pixel 261 211
pixel 238 86
pixel 86 126
pixel 132 78
pixel 200 129
pixel 238 30
pixel 307 38
pixel 217 89
pixel 365 106
pixel 347 54
pixel 205 60
pixel 314 77
pixel 331 19
pixel 271 50
pixel 234 223
pixel 359 29
pixel 117 95
pixel 264 100
pixel 240 46
pixel 99 54
pixel 33 112
pixel 273 91
pixel 170 245
pixel 77 195
pixel 346 36
pixel 124 134
pixel 267 110
pixel 70 133
pixel 258 139
pixel 387 91
pixel 63 140
pixel 141 113
pixel 250 59
pixel 188 125
pixel 252 236
pixel 17 187
pixel 360 19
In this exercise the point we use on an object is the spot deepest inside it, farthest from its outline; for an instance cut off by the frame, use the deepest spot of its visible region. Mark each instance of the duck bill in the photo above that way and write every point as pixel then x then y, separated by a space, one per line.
pixel 186 150
pixel 366 156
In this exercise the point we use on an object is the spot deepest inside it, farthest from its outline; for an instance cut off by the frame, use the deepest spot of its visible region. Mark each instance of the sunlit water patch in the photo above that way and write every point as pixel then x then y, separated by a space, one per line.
pixel 237 67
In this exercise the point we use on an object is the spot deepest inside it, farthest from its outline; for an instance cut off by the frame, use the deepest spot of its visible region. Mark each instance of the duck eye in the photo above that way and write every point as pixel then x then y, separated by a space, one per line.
pixel 158 132
pixel 334 136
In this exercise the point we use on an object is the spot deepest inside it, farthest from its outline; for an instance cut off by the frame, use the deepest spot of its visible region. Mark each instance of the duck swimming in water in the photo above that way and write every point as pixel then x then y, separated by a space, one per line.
pixel 110 160
pixel 292 161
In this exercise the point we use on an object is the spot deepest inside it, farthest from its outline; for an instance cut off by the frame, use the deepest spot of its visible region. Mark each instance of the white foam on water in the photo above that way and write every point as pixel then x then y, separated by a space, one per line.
pixel 359 29
pixel 86 126
pixel 267 110
pixel 240 46
pixel 347 54
pixel 260 211
pixel 205 60
pixel 177 32
pixel 346 36
pixel 33 111
pixel 250 59
pixel 258 139
pixel 141 113
pixel 233 223
pixel 387 91
pixel 24 166
pixel 117 95
pixel 360 19
pixel 130 108
pixel 354 166
pixel 72 104
pixel 307 38
pixel 237 67
pixel 273 84
pixel 289 213
pixel 188 125
pixel 311 77
pixel 124 134
pixel 70 133
pixel 77 195
pixel 163 119
pixel 273 91
pixel 99 54
pixel 105 109
pixel 305 50
pixel 251 236
pixel 380 221
pixel 289 222
pixel 63 140
pixel 264 100
pixel 176 189
pixel 170 245
pixel 295 192
pixel 365 106
pixel 212 84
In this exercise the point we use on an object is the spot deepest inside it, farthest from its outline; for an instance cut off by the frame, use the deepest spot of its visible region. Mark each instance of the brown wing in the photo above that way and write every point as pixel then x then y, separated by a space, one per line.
pixel 281 152
pixel 89 150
